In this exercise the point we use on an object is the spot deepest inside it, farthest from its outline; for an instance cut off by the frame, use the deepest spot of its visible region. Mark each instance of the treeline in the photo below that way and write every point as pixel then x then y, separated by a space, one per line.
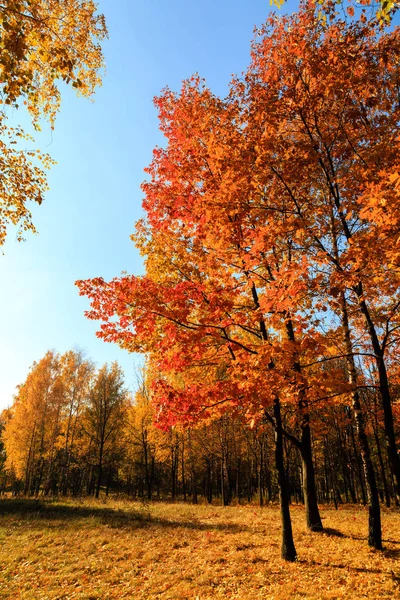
pixel 62 432
pixel 74 430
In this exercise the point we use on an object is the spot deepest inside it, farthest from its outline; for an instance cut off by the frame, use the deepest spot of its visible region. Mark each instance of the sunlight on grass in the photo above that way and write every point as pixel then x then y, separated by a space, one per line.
pixel 119 549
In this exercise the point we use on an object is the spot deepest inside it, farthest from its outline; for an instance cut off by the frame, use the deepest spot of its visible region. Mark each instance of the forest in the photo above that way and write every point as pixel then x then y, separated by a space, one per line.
pixel 75 431
pixel 268 312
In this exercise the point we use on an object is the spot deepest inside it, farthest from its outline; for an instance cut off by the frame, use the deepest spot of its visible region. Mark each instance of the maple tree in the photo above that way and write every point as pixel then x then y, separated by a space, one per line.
pixel 42 43
pixel 327 142
pixel 383 10
pixel 258 215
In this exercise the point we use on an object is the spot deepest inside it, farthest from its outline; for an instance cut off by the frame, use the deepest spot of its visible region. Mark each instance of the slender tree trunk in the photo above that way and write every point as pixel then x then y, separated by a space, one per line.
pixel 100 469
pixel 288 551
pixel 209 481
pixel 225 489
pixel 313 517
pixel 345 461
pixel 374 528
pixel 360 467
pixel 225 492
pixel 109 477
pixel 259 473
pixel 183 470
pixel 391 448
pixel 382 467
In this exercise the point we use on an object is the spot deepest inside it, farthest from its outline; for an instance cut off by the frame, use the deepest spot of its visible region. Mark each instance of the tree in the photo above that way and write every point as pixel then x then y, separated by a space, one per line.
pixel 344 136
pixel 77 376
pixel 103 418
pixel 385 9
pixel 255 228
pixel 42 42
pixel 31 434
pixel 139 419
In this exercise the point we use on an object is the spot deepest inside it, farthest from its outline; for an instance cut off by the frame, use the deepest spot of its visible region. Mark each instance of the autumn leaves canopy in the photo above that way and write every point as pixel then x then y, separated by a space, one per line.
pixel 265 213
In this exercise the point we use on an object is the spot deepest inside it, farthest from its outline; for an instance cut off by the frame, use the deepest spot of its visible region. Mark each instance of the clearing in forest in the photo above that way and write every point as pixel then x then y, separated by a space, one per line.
pixel 113 549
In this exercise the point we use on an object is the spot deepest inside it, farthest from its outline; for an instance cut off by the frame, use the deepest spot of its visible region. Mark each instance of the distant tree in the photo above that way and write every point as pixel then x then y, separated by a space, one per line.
pixel 30 435
pixel 140 436
pixel 103 419
pixel 77 375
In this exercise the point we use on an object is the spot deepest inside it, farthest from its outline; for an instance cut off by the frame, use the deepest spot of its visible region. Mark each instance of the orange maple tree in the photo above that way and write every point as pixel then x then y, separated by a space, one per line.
pixel 259 212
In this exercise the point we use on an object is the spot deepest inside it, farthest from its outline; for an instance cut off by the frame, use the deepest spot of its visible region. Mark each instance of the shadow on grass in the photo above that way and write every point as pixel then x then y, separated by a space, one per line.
pixel 392 541
pixel 350 568
pixel 46 511
pixel 331 532
pixel 392 553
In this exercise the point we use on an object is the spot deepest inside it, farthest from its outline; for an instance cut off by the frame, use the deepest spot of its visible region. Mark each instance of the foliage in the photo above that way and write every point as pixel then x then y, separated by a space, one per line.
pixel 66 420
pixel 262 210
pixel 42 43
pixel 267 242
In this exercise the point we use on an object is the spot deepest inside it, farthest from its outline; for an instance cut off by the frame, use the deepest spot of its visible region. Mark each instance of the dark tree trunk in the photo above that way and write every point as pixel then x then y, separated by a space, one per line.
pixel 209 481
pixel 382 467
pixel 391 448
pixel 374 526
pixel 288 551
pixel 309 489
pixel 313 518
pixel 100 469
pixel 225 491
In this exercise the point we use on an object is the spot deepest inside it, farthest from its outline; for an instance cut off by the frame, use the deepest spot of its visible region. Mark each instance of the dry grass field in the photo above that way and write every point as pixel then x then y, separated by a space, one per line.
pixel 117 549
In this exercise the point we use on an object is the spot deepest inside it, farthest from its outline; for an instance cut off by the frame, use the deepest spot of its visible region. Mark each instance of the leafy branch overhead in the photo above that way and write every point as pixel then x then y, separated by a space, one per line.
pixel 384 9
pixel 42 42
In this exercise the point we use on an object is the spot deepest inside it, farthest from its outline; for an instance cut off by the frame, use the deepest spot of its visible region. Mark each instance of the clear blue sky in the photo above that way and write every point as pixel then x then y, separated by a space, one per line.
pixel 101 150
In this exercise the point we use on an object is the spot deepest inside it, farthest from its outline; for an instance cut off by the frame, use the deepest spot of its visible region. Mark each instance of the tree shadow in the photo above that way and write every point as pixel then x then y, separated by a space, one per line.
pixel 331 532
pixel 313 563
pixel 391 541
pixel 392 552
pixel 55 514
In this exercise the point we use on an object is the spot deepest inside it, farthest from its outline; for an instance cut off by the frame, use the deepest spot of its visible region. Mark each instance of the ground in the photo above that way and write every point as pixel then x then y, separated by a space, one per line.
pixel 112 549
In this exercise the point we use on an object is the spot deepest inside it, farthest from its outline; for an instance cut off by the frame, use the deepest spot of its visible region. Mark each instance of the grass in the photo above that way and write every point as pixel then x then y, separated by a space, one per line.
pixel 117 549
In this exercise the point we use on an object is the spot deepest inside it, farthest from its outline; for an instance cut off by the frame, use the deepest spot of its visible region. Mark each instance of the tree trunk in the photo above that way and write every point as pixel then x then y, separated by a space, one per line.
pixel 382 466
pixel 288 551
pixel 374 527
pixel 100 470
pixel 391 448
pixel 309 490
pixel 313 518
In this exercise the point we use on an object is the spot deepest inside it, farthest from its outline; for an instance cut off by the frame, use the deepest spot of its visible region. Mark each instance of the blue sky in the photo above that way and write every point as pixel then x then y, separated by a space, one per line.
pixel 101 149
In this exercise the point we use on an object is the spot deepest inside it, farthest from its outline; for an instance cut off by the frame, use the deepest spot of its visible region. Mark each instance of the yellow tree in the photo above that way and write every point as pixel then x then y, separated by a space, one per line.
pixel 104 416
pixel 140 436
pixel 76 374
pixel 42 43
pixel 30 435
